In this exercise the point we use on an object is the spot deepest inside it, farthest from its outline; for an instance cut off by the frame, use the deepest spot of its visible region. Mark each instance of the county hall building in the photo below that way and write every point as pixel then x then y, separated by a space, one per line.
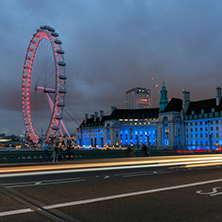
pixel 175 124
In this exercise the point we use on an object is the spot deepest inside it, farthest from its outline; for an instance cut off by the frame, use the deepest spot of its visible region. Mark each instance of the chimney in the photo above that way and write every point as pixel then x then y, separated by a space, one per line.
pixel 112 108
pixel 86 117
pixel 101 114
pixel 95 116
pixel 218 97
pixel 186 100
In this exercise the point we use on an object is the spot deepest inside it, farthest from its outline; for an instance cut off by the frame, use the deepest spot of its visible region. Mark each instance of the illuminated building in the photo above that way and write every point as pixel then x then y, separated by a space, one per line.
pixel 138 98
pixel 191 125
pixel 122 127
pixel 203 122
pixel 176 124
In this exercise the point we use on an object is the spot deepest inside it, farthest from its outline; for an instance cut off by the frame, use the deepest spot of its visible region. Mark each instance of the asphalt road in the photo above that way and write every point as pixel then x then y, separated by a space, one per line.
pixel 165 193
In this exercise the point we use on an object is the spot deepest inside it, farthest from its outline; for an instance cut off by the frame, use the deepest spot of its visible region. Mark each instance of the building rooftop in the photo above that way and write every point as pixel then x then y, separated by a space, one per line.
pixel 123 114
pixel 174 105
pixel 134 113
pixel 205 106
pixel 138 90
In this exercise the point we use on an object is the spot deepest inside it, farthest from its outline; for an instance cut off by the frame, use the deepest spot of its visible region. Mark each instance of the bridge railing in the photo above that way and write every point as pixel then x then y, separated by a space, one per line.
pixel 39 156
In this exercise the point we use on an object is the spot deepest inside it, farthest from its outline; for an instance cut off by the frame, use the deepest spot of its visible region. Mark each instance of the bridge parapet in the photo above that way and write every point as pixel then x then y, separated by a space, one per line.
pixel 38 156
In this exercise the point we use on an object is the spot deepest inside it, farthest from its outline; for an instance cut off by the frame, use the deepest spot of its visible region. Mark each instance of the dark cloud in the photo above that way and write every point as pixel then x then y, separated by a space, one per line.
pixel 112 46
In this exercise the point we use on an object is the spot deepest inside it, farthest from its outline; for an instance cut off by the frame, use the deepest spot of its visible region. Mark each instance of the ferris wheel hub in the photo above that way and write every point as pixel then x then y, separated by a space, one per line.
pixel 44 89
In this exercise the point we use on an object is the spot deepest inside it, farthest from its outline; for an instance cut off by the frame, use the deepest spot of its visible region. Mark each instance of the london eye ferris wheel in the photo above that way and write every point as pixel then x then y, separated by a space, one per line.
pixel 43 84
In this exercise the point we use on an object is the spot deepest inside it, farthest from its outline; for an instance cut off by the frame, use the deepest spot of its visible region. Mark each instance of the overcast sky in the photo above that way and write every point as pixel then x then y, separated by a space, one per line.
pixel 112 46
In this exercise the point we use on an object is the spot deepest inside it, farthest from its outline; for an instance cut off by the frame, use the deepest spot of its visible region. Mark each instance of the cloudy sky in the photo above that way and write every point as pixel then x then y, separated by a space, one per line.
pixel 112 46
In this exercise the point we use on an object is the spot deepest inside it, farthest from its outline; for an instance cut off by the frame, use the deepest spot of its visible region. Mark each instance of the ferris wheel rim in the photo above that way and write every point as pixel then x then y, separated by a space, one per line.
pixel 45 32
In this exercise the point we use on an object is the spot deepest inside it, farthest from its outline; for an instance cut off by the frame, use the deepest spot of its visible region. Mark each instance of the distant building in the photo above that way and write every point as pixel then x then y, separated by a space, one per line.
pixel 176 124
pixel 138 98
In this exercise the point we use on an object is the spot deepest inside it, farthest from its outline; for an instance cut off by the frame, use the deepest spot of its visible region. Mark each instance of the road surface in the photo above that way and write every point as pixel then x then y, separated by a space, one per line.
pixel 179 188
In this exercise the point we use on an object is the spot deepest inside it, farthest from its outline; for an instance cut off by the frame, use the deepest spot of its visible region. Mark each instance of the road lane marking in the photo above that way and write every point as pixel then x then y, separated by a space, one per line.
pixel 42 183
pixel 31 182
pixel 37 183
pixel 151 171
pixel 146 174
pixel 4 175
pixel 13 212
pixel 138 175
pixel 118 196
pixel 211 194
